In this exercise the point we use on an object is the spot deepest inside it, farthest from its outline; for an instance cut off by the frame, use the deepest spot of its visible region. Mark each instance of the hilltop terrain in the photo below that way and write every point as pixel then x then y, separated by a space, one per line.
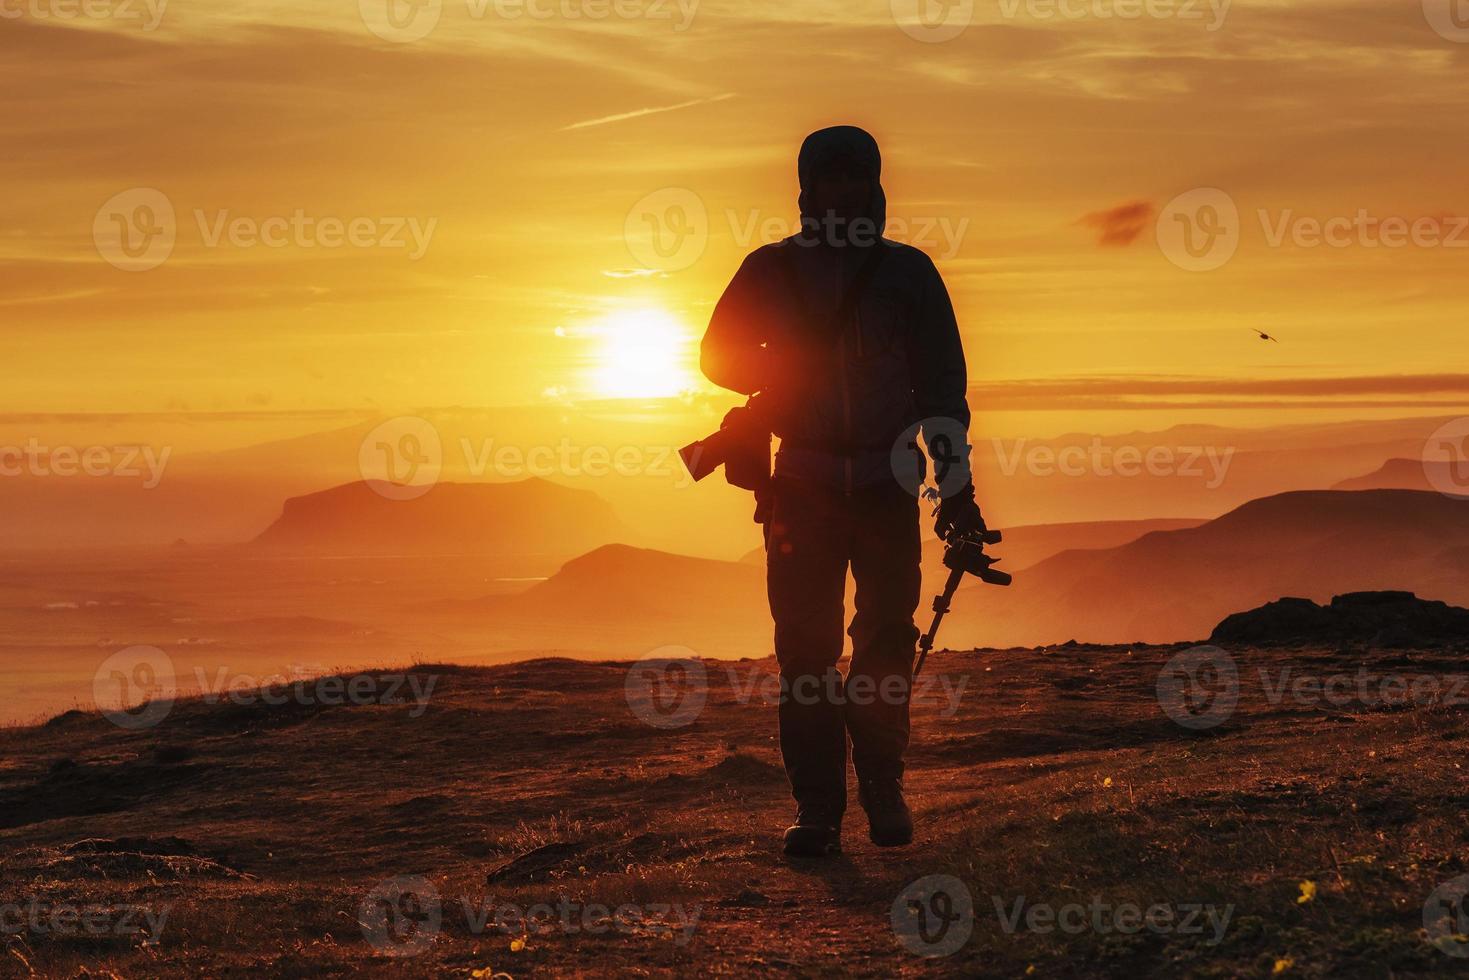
pixel 405 835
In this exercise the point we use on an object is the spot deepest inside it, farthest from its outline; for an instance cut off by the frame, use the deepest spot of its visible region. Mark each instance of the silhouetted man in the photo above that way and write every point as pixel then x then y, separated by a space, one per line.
pixel 849 339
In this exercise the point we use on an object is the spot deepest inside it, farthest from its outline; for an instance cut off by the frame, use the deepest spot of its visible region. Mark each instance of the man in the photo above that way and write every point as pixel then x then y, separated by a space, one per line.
pixel 849 340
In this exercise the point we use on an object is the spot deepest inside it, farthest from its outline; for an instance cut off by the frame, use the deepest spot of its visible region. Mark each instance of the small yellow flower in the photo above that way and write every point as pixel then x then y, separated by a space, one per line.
pixel 1107 781
pixel 1308 892
pixel 1283 964
pixel 516 945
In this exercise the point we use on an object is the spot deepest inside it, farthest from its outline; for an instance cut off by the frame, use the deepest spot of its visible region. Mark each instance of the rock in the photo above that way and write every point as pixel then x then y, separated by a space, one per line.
pixel 1275 622
pixel 1368 600
pixel 748 898
pixel 1381 619
pixel 525 867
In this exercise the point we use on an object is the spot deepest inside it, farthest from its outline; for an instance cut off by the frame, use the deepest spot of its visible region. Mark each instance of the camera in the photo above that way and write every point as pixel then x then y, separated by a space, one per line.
pixel 964 553
pixel 741 446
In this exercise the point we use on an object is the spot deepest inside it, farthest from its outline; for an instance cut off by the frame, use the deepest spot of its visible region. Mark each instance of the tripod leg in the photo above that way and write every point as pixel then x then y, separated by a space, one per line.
pixel 940 607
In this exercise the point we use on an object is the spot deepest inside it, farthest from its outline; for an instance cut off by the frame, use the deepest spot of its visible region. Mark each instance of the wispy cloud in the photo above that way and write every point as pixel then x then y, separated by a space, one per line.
pixel 1154 392
pixel 1120 225
pixel 650 111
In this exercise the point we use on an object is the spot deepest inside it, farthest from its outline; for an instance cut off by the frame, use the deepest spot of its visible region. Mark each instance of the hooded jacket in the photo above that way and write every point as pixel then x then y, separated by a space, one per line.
pixel 842 393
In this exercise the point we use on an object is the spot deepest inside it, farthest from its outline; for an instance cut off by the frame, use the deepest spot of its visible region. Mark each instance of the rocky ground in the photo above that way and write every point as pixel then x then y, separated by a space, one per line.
pixel 1084 812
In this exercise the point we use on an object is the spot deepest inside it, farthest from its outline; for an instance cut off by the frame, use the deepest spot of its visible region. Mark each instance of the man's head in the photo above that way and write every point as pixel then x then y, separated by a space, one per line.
pixel 840 170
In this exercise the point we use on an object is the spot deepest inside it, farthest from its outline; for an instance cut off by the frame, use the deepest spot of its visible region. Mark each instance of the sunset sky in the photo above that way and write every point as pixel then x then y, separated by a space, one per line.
pixel 1032 156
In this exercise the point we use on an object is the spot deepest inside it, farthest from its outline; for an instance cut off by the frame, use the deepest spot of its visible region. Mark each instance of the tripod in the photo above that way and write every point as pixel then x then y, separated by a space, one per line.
pixel 963 555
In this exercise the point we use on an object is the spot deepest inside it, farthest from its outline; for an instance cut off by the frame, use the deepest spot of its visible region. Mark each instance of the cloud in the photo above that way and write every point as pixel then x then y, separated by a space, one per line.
pixel 639 113
pixel 1157 392
pixel 1122 224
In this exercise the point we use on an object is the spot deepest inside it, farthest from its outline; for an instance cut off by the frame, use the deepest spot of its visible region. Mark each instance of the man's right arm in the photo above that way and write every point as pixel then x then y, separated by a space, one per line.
pixel 733 354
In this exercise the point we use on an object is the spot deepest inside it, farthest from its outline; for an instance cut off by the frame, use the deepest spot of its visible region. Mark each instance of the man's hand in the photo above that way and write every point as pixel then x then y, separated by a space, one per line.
pixel 959 514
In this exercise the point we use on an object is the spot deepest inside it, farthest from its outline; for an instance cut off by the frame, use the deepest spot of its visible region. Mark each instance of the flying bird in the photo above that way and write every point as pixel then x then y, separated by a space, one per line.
pixel 1263 335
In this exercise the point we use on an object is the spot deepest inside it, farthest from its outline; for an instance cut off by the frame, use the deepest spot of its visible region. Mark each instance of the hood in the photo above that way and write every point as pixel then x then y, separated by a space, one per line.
pixel 845 147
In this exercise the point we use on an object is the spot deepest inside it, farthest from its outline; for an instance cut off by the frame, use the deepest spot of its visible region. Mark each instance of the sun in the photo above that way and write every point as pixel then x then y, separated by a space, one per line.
pixel 642 353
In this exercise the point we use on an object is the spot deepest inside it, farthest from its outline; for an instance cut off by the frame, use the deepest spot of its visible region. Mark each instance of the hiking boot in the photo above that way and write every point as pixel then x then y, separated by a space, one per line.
pixel 816 833
pixel 889 821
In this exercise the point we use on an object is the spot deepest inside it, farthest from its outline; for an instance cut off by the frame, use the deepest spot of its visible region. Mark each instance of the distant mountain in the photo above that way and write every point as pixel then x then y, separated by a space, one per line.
pixel 530 517
pixel 617 581
pixel 1182 471
pixel 621 599
pixel 624 453
pixel 1406 474
pixel 1176 585
pixel 1165 586
pixel 1025 546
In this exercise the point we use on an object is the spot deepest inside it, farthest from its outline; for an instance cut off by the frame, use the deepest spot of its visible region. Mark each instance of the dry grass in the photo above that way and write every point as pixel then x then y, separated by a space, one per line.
pixel 261 831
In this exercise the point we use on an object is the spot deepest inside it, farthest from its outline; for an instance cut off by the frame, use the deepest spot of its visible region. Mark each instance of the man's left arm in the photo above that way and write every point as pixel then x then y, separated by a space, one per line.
pixel 940 391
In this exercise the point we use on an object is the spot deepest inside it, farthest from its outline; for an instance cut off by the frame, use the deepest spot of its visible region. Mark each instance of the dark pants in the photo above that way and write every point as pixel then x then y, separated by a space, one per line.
pixel 813 535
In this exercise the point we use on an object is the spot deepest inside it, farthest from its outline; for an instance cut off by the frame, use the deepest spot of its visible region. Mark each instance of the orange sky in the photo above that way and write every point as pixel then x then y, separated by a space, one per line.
pixel 520 148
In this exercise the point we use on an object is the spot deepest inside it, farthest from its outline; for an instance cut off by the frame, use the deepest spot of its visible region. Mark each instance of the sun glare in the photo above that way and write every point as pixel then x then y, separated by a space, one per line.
pixel 642 353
